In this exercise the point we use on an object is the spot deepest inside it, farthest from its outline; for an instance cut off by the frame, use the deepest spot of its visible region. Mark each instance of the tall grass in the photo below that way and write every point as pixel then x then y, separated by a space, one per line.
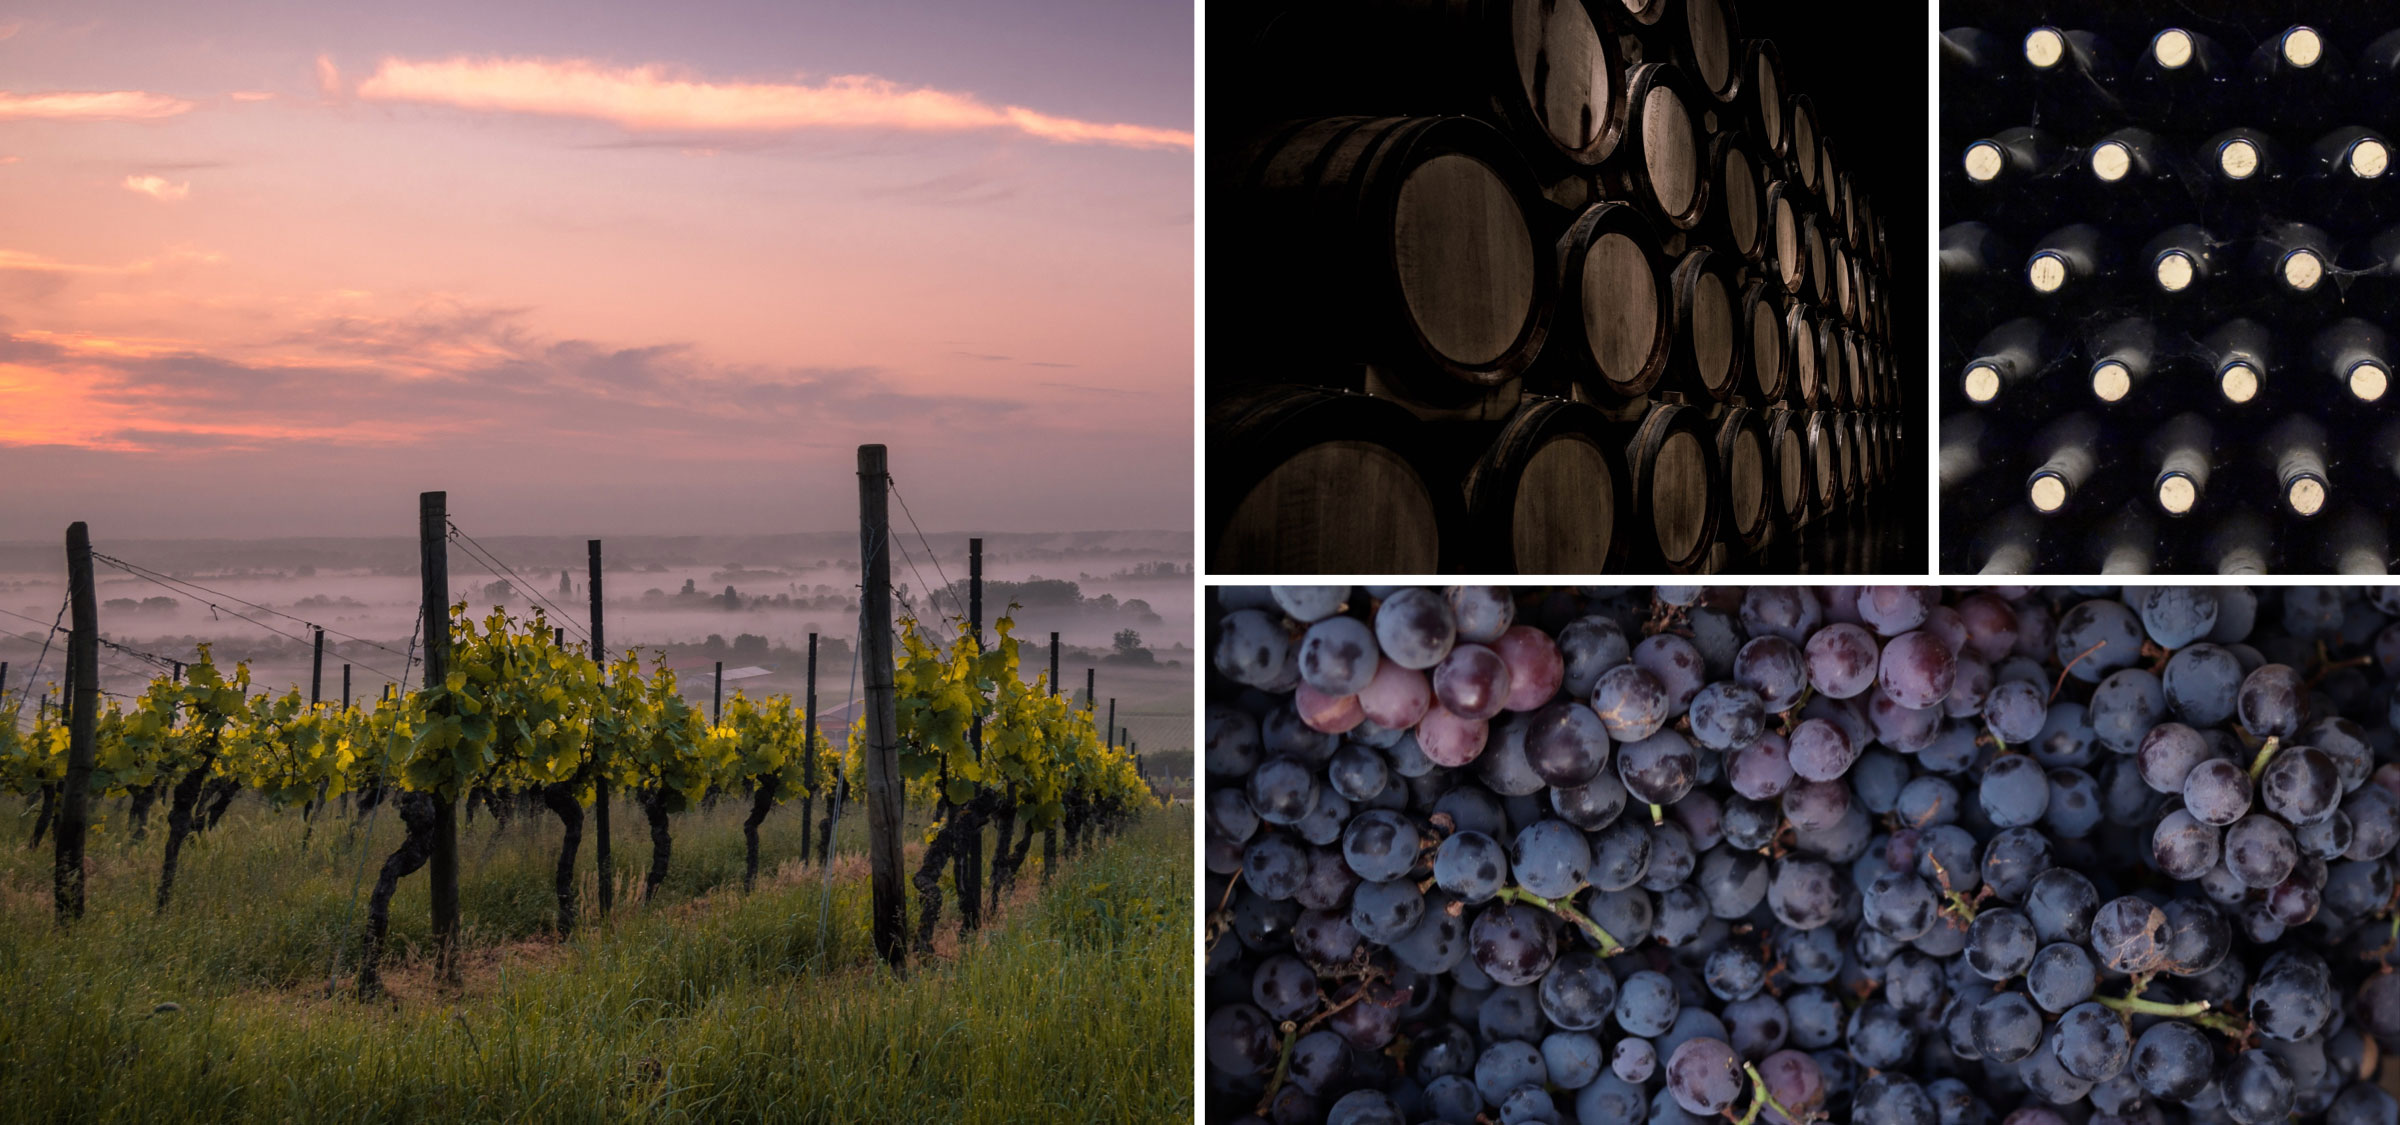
pixel 703 1005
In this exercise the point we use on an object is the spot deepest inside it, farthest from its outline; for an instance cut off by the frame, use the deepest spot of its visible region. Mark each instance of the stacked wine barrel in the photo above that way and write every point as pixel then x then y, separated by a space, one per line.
pixel 1534 286
pixel 2167 259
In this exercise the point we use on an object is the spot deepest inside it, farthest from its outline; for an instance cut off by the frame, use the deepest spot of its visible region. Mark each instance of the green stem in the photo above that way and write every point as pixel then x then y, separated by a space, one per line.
pixel 1609 945
pixel 1658 816
pixel 2266 752
pixel 1283 1063
pixel 1759 1097
pixel 2137 1005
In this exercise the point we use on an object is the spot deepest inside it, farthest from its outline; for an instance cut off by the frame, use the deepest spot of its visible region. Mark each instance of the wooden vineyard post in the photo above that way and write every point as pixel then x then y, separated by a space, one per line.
pixel 83 714
pixel 716 703
pixel 607 873
pixel 969 872
pixel 808 756
pixel 345 687
pixel 1112 722
pixel 3 680
pixel 433 545
pixel 882 752
pixel 1050 834
pixel 316 672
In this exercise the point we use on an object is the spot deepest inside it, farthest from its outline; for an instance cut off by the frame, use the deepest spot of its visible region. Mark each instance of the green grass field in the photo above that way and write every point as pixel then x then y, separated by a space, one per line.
pixel 1073 1004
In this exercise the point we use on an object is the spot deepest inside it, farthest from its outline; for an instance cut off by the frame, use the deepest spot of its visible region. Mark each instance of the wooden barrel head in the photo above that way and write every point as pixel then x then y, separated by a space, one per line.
pixel 1790 252
pixel 1766 345
pixel 1805 355
pixel 1670 151
pixel 1565 71
pixel 1565 517
pixel 1804 140
pixel 1679 499
pixel 1821 459
pixel 1815 235
pixel 1464 257
pixel 1746 482
pixel 1620 307
pixel 1739 191
pixel 1712 330
pixel 1712 44
pixel 1766 86
pixel 1791 474
pixel 1338 507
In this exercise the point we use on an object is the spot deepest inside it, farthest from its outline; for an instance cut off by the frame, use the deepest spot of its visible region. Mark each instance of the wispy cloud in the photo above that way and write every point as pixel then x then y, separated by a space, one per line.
pixel 649 98
pixel 480 371
pixel 252 95
pixel 329 77
pixel 10 29
pixel 107 105
pixel 25 261
pixel 157 187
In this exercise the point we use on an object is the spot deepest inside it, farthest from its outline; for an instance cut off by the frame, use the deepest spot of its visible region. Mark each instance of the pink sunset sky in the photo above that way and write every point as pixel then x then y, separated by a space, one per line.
pixel 623 268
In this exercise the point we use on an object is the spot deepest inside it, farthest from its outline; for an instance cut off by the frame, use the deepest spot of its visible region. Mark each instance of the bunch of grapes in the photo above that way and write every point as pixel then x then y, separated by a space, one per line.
pixel 1898 855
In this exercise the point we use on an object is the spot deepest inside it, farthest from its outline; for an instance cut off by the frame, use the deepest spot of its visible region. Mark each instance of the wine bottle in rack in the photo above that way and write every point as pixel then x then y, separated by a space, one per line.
pixel 2244 159
pixel 2074 77
pixel 2357 354
pixel 2010 543
pixel 2069 450
pixel 2073 260
pixel 2182 74
pixel 2291 258
pixel 2122 352
pixel 2183 452
pixel 2136 177
pixel 2295 448
pixel 2239 352
pixel 2356 544
pixel 2378 77
pixel 2183 258
pixel 2011 355
pixel 2352 154
pixel 2299 77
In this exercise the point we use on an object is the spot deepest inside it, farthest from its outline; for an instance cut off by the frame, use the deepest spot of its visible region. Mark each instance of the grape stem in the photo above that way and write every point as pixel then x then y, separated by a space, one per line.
pixel 2134 1004
pixel 1293 1030
pixel 2266 753
pixel 2062 673
pixel 1609 945
pixel 1658 816
pixel 1760 1098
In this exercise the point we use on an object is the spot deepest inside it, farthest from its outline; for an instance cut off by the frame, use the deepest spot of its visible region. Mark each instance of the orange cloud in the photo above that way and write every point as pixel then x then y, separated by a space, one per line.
pixel 329 77
pixel 648 98
pixel 111 105
pixel 157 187
pixel 252 95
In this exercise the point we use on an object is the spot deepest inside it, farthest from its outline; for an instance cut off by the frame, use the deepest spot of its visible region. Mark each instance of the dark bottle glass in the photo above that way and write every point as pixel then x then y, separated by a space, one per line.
pixel 2183 76
pixel 2122 352
pixel 2291 258
pixel 2069 449
pixel 2183 452
pixel 2299 78
pixel 2356 354
pixel 2071 261
pixel 2295 449
pixel 2010 355
pixel 2244 159
pixel 2240 353
pixel 2074 77
pixel 2183 259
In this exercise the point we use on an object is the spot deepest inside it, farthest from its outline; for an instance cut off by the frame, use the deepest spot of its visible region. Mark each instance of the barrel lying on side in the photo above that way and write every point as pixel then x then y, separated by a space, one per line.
pixel 1311 481
pixel 1400 242
pixel 1712 48
pixel 1824 462
pixel 1676 483
pixel 1768 367
pixel 1546 497
pixel 1795 479
pixel 1661 164
pixel 1734 213
pixel 1708 340
pixel 1617 311
pixel 1742 450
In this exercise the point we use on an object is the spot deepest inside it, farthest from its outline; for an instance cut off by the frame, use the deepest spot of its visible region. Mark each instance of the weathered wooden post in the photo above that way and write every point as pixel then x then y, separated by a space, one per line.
pixel 83 715
pixel 808 756
pixel 433 544
pixel 600 858
pixel 882 752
